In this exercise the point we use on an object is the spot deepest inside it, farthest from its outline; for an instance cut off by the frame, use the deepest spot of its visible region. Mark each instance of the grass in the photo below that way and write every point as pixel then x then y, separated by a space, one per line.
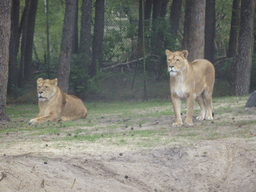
pixel 137 124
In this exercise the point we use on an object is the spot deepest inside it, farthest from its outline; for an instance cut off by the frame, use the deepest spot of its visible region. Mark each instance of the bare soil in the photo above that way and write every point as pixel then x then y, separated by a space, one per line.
pixel 224 164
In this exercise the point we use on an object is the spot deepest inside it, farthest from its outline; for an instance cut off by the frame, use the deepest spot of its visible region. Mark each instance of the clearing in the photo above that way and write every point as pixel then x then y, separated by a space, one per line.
pixel 130 146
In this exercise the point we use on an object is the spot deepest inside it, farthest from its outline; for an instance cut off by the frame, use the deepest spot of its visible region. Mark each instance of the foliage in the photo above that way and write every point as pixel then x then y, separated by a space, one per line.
pixel 223 23
pixel 79 76
pixel 56 19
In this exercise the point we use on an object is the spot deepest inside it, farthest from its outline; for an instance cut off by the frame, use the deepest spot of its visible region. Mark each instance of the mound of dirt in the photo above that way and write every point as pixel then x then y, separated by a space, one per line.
pixel 218 165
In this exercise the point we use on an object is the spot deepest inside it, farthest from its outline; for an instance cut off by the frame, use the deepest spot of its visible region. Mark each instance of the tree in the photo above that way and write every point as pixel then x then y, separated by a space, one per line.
pixel 140 31
pixel 157 5
pixel 97 51
pixel 5 28
pixel 194 29
pixel 85 34
pixel 175 16
pixel 232 46
pixel 66 45
pixel 209 30
pixel 14 42
pixel 244 60
pixel 147 14
pixel 75 34
pixel 23 26
pixel 30 39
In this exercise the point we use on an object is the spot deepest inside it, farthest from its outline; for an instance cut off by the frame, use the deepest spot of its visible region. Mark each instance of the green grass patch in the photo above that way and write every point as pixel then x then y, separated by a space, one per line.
pixel 134 124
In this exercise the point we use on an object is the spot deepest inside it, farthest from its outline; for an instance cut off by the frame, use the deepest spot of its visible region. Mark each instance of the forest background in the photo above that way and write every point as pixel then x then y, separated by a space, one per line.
pixel 97 47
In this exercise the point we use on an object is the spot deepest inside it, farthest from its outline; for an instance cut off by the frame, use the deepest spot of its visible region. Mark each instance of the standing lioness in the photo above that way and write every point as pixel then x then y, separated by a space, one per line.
pixel 190 81
pixel 54 104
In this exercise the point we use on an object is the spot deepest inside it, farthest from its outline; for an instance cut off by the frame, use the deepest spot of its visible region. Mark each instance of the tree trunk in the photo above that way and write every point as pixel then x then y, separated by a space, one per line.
pixel 23 44
pixel 30 39
pixel 209 30
pixel 175 16
pixel 140 31
pixel 232 46
pixel 5 29
pixel 12 78
pixel 75 34
pixel 97 52
pixel 194 29
pixel 244 60
pixel 85 34
pixel 163 8
pixel 147 14
pixel 66 45
pixel 157 5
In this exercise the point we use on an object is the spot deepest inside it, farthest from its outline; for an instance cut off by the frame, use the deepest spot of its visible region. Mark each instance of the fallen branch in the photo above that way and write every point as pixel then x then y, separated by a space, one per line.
pixel 222 60
pixel 120 64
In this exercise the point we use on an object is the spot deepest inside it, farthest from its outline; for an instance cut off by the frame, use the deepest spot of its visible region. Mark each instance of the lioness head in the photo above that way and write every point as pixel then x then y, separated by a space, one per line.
pixel 176 61
pixel 46 88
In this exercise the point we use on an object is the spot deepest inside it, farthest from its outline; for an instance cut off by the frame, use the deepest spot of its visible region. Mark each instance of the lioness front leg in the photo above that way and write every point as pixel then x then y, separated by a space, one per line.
pixel 177 110
pixel 189 116
pixel 42 119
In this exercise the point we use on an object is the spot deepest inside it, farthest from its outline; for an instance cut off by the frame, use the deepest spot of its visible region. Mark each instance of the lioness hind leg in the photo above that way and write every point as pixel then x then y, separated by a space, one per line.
pixel 202 105
pixel 208 102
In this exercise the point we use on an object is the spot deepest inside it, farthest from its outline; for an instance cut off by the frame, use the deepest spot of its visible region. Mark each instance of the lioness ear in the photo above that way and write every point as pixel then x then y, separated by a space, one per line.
pixel 167 52
pixel 39 80
pixel 56 81
pixel 184 53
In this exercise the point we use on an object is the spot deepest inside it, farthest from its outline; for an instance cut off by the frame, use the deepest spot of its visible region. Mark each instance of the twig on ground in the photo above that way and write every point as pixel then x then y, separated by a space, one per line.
pixel 73 183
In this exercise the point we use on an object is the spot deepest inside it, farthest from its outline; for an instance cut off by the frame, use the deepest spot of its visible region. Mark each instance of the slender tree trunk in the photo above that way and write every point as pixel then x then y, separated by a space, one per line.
pixel 232 47
pixel 157 5
pixel 147 16
pixel 175 16
pixel 75 35
pixel 47 54
pixel 161 33
pixel 194 29
pixel 140 31
pixel 66 45
pixel 30 39
pixel 244 60
pixel 23 44
pixel 5 28
pixel 209 30
pixel 12 78
pixel 97 51
pixel 85 34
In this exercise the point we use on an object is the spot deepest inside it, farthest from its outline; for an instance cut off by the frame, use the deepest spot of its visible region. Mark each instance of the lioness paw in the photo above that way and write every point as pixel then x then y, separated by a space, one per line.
pixel 200 118
pixel 189 124
pixel 177 124
pixel 209 118
pixel 32 122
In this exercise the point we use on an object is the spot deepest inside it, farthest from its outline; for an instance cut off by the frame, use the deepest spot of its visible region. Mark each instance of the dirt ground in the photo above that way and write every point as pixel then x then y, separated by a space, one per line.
pixel 208 166
pixel 226 164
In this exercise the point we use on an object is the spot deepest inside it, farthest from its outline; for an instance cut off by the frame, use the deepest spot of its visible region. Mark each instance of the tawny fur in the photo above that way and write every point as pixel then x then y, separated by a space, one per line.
pixel 190 82
pixel 54 104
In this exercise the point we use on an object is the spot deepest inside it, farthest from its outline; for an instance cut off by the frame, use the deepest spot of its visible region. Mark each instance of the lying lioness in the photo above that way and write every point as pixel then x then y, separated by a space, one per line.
pixel 56 105
pixel 190 81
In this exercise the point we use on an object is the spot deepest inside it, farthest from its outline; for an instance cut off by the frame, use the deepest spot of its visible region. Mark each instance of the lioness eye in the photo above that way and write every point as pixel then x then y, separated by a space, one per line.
pixel 46 86
pixel 178 59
